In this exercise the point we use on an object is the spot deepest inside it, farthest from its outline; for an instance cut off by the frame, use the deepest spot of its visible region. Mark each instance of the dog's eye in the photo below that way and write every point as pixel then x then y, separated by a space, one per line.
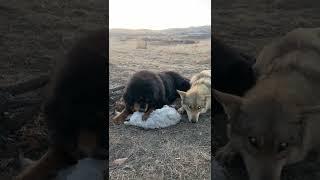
pixel 282 146
pixel 199 107
pixel 253 141
pixel 189 106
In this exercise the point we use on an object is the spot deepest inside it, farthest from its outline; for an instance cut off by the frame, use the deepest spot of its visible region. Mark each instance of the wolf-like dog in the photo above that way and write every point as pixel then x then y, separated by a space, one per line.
pixel 277 121
pixel 197 99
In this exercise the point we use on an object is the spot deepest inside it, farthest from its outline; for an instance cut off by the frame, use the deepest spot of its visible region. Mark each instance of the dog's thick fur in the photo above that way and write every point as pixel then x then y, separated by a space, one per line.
pixel 277 122
pixel 232 71
pixel 75 108
pixel 147 91
pixel 197 99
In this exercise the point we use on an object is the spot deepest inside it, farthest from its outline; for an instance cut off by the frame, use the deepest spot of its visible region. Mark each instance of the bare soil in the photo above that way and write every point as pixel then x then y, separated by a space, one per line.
pixel 249 25
pixel 33 36
pixel 182 151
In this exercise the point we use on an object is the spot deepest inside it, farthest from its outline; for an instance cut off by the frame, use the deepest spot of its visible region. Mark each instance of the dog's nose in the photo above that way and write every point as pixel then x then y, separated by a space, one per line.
pixel 193 121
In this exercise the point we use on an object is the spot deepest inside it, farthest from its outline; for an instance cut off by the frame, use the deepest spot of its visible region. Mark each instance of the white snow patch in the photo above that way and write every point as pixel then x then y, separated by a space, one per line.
pixel 159 118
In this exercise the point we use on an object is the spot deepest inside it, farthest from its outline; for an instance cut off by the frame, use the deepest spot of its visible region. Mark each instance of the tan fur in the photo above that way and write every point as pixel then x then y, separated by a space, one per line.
pixel 197 99
pixel 277 122
pixel 120 118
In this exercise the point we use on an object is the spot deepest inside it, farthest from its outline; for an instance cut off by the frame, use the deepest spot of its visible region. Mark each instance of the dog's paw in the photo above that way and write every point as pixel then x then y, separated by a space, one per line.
pixel 226 154
pixel 117 120
pixel 145 117
pixel 181 110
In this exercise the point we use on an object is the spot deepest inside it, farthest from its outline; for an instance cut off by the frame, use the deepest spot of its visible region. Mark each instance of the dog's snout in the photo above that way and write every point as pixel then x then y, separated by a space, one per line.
pixel 193 116
pixel 143 107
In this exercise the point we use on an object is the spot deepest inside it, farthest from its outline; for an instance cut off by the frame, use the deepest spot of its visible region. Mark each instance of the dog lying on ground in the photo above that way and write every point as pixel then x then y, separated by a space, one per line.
pixel 75 108
pixel 233 71
pixel 147 91
pixel 277 122
pixel 197 99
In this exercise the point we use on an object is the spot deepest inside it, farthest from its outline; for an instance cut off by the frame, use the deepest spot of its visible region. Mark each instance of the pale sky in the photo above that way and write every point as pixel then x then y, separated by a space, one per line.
pixel 158 14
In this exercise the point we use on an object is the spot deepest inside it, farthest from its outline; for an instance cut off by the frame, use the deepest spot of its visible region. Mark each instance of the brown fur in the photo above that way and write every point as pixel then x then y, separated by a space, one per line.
pixel 276 122
pixel 75 108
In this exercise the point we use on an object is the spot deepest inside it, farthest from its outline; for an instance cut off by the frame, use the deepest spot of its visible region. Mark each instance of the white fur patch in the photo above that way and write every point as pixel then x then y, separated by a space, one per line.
pixel 160 118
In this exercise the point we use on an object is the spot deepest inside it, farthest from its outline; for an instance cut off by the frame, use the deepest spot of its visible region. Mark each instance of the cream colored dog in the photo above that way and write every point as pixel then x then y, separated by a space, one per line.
pixel 197 99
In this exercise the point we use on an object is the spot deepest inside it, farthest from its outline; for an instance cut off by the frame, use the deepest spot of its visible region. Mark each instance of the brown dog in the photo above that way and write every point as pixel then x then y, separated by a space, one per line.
pixel 277 122
pixel 75 108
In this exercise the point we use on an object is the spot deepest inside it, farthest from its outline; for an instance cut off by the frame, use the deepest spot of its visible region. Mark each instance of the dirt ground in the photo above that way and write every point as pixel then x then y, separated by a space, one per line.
pixel 182 151
pixel 249 25
pixel 33 35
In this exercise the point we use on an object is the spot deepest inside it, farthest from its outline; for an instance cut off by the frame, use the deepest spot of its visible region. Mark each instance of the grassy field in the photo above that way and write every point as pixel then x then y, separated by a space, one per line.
pixel 182 151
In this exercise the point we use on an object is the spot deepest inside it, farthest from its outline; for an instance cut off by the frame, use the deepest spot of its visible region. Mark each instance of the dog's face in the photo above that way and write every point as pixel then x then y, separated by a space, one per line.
pixel 268 138
pixel 138 102
pixel 265 133
pixel 194 104
pixel 141 104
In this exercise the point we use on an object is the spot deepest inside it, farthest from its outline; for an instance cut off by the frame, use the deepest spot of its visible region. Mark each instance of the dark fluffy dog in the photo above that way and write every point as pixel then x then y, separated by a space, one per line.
pixel 232 71
pixel 147 91
pixel 75 108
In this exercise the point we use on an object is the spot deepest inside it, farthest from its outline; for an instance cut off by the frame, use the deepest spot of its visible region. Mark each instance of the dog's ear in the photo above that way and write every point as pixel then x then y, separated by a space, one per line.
pixel 230 103
pixel 182 94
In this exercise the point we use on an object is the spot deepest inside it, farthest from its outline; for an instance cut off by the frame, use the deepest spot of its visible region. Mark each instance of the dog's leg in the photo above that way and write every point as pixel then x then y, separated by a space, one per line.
pixel 181 110
pixel 50 162
pixel 88 144
pixel 146 115
pixel 120 118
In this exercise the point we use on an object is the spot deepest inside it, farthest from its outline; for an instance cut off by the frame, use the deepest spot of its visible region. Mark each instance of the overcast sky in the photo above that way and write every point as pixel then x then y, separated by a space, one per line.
pixel 159 14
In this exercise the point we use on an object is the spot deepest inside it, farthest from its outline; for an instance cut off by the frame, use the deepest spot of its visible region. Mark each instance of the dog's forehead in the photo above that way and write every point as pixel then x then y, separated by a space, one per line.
pixel 195 98
pixel 269 117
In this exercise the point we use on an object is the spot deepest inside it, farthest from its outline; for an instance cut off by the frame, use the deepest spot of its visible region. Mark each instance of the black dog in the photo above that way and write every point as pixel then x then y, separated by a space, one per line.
pixel 147 91
pixel 75 108
pixel 232 71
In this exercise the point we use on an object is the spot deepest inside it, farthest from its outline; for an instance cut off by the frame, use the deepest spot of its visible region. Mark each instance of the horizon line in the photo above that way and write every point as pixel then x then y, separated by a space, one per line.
pixel 157 29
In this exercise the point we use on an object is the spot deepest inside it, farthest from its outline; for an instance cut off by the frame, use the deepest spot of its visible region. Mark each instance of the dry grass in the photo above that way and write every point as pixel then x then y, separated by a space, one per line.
pixel 178 152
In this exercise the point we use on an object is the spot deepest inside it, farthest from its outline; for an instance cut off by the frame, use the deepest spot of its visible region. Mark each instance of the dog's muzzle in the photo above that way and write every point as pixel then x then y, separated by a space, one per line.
pixel 141 107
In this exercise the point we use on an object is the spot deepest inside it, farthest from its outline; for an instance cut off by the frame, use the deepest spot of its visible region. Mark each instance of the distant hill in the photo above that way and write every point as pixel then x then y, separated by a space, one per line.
pixel 198 32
